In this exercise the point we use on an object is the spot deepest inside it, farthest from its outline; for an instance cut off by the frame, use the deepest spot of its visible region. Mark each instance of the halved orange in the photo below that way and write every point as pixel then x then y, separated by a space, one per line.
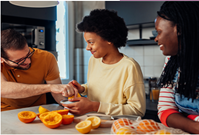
pixel 27 116
pixel 147 126
pixel 95 121
pixel 41 110
pixel 126 130
pixel 84 126
pixel 52 120
pixel 41 116
pixel 78 95
pixel 62 112
pixel 67 119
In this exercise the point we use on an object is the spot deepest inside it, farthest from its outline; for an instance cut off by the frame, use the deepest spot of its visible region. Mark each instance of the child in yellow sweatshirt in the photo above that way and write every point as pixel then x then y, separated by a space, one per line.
pixel 114 81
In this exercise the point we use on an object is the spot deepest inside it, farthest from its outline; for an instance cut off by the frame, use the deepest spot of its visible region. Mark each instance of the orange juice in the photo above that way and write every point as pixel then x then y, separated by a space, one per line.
pixel 155 93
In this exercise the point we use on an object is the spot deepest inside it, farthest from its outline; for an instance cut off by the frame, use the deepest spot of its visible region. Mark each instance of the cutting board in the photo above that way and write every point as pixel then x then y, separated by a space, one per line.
pixel 104 123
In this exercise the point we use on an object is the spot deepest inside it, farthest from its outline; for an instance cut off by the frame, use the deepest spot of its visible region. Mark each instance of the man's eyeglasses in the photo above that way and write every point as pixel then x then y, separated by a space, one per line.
pixel 31 52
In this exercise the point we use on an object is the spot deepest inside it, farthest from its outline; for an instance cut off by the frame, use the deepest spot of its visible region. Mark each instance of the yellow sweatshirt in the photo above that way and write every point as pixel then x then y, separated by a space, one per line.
pixel 118 87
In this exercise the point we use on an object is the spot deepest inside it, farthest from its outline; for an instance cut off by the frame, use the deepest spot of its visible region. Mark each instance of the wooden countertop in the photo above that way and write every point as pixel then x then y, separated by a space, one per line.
pixel 10 124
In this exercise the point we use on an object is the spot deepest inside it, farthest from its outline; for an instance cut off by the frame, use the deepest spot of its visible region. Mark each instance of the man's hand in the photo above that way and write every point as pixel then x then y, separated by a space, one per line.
pixel 77 85
pixel 59 91
pixel 82 106
pixel 67 90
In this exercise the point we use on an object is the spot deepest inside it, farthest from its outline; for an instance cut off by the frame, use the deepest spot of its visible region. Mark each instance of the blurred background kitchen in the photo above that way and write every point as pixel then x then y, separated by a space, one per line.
pixel 53 29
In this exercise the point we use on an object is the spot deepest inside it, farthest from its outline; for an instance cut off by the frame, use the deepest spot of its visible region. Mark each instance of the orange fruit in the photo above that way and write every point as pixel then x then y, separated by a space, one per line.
pixel 38 115
pixel 147 126
pixel 41 116
pixel 62 112
pixel 95 121
pixel 78 95
pixel 27 116
pixel 162 132
pixel 42 109
pixel 52 120
pixel 126 130
pixel 67 119
pixel 84 126
pixel 122 122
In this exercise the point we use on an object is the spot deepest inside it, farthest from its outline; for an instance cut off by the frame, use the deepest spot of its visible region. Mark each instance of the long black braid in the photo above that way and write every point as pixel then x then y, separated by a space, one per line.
pixel 186 16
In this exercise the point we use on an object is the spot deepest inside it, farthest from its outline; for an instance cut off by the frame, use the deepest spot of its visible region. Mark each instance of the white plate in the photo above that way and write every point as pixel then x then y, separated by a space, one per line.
pixel 65 101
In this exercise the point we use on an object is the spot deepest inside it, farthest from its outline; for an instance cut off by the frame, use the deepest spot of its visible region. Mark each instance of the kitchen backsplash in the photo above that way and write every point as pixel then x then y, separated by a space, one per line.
pixel 149 58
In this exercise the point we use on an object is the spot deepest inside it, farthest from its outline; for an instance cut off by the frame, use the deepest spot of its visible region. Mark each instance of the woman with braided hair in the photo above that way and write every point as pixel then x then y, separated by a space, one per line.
pixel 178 37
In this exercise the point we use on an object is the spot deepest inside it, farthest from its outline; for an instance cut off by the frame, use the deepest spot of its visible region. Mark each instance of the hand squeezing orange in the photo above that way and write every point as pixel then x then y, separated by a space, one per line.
pixel 78 95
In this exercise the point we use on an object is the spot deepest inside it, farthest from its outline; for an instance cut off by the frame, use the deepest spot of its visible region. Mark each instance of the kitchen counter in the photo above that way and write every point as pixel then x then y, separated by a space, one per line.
pixel 10 124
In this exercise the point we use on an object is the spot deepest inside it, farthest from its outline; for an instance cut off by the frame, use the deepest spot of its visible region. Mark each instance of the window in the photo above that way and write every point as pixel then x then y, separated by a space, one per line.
pixel 64 40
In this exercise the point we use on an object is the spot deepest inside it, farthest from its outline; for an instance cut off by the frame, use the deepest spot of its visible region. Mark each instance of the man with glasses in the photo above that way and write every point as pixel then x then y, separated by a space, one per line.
pixel 24 71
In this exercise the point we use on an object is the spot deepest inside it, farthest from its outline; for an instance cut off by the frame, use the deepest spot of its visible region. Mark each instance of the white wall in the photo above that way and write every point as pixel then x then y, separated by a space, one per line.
pixel 149 57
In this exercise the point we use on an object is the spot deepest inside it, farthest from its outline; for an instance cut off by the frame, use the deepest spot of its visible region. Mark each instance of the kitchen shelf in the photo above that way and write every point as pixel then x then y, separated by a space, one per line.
pixel 143 25
pixel 140 42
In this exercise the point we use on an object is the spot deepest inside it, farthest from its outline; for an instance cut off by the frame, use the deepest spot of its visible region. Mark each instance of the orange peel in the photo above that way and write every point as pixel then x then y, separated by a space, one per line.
pixel 27 116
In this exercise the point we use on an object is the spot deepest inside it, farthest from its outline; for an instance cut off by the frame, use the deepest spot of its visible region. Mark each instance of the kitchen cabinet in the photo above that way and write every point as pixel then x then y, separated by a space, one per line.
pixel 141 41
pixel 138 42
pixel 137 15
pixel 44 17
pixel 7 9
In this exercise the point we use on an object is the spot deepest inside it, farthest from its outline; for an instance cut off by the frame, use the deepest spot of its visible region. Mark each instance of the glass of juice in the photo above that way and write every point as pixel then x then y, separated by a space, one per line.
pixel 154 94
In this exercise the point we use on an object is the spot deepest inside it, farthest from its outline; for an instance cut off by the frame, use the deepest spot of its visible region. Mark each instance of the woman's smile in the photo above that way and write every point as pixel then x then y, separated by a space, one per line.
pixel 161 47
pixel 92 52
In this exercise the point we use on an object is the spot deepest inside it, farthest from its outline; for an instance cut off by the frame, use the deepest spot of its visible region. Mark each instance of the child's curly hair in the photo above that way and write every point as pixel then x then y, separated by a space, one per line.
pixel 107 24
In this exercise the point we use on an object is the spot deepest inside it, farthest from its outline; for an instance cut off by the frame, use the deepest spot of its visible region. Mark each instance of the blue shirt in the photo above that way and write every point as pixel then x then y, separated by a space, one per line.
pixel 183 103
